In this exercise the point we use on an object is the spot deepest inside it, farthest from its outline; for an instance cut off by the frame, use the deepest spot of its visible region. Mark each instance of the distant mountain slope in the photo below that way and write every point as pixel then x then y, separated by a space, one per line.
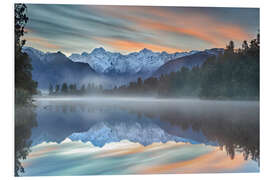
pixel 107 68
pixel 56 68
pixel 189 61
pixel 143 62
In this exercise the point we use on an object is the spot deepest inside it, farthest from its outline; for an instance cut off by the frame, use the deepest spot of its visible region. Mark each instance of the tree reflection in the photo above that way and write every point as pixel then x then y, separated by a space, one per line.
pixel 234 126
pixel 25 120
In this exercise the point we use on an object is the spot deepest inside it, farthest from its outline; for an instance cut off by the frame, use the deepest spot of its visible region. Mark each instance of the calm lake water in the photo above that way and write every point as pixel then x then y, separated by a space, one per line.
pixel 93 136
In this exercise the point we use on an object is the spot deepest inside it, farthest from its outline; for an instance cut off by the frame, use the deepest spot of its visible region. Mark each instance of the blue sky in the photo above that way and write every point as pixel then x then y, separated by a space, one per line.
pixel 81 28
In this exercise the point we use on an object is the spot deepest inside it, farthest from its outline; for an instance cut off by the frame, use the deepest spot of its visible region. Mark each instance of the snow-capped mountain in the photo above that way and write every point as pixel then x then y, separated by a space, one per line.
pixel 56 68
pixel 143 62
pixel 103 133
pixel 108 68
pixel 101 123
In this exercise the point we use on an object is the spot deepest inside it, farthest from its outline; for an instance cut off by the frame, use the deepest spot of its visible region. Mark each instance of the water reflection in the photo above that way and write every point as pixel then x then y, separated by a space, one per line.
pixel 233 126
pixel 25 120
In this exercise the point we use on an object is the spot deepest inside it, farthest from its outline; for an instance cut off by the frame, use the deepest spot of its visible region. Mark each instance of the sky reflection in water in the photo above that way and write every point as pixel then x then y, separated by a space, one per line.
pixel 134 136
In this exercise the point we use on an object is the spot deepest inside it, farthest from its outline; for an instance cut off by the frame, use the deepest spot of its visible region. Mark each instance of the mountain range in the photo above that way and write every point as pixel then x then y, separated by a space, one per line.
pixel 109 68
pixel 142 62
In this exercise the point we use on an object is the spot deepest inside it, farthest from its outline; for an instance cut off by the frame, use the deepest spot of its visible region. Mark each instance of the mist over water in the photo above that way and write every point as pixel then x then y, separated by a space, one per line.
pixel 229 127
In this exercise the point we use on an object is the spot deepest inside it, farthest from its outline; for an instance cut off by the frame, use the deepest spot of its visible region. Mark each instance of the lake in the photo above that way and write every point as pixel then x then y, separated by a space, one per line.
pixel 97 136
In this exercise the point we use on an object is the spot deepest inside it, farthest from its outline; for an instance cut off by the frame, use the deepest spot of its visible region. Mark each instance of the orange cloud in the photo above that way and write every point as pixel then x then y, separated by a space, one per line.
pixel 202 23
pixel 126 45
pixel 198 25
pixel 42 42
pixel 140 149
pixel 213 32
pixel 214 161
pixel 232 32
pixel 42 152
pixel 170 28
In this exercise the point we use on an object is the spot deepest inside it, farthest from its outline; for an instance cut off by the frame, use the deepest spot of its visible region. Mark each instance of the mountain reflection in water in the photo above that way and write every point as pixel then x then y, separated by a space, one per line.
pixel 228 125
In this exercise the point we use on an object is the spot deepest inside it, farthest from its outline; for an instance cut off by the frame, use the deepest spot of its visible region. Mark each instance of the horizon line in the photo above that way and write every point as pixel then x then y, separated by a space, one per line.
pixel 125 54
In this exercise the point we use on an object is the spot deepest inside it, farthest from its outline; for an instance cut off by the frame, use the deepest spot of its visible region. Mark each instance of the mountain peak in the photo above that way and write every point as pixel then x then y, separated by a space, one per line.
pixel 164 53
pixel 99 50
pixel 56 56
pixel 59 52
pixel 84 54
pixel 145 50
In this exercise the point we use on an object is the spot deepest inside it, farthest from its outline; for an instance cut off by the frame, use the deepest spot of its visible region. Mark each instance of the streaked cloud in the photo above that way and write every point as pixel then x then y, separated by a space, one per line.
pixel 126 157
pixel 194 24
pixel 130 46
pixel 78 28
pixel 42 42
pixel 214 161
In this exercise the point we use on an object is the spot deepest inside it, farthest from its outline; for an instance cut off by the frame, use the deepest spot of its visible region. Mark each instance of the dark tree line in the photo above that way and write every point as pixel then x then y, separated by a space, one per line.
pixel 25 87
pixel 73 89
pixel 233 74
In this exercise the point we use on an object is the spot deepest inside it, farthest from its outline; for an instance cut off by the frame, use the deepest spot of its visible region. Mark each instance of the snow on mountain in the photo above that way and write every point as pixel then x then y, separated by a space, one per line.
pixel 145 61
pixel 47 57
pixel 110 68
pixel 103 133
pixel 56 68
pixel 102 121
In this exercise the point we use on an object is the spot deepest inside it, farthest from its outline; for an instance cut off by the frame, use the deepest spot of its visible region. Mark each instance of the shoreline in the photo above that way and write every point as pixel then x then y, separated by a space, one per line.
pixel 135 98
